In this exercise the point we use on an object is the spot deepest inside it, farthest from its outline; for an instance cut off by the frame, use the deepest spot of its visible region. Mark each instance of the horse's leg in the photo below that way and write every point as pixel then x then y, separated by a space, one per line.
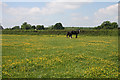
pixel 76 35
pixel 71 35
pixel 67 35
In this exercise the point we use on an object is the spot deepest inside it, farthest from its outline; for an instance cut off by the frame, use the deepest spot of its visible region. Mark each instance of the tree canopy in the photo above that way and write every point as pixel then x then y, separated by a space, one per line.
pixel 25 26
pixel 107 25
pixel 40 27
pixel 58 26
pixel 16 27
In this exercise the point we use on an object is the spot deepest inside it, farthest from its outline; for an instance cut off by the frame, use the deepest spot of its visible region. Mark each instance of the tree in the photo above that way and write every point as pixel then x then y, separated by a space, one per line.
pixel 108 25
pixel 8 28
pixel 25 23
pixel 16 27
pixel 33 27
pixel 114 25
pixel 58 26
pixel 25 26
pixel 98 27
pixel 40 27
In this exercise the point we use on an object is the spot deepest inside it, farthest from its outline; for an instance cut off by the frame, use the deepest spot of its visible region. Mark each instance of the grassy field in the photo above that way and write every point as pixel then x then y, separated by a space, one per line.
pixel 55 56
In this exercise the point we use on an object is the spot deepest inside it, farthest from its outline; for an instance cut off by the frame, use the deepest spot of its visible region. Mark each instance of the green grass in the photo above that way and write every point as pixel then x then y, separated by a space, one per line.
pixel 55 56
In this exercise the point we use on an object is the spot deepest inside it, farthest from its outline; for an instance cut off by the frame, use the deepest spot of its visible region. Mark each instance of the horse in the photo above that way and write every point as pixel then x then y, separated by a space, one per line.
pixel 73 32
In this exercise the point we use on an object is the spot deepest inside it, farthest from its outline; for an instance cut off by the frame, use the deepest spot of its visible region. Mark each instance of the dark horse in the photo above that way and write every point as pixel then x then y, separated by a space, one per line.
pixel 72 32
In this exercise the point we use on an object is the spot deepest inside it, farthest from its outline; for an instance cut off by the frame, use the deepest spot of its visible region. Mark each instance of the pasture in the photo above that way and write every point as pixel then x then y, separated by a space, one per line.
pixel 55 56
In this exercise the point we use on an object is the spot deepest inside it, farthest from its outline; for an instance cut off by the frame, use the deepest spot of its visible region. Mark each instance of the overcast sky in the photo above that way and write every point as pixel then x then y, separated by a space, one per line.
pixel 70 14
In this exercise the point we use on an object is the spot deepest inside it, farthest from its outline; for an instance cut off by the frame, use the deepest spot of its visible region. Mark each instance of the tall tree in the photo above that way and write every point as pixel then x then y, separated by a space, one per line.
pixel 106 25
pixel 25 26
pixel 33 27
pixel 58 26
pixel 40 27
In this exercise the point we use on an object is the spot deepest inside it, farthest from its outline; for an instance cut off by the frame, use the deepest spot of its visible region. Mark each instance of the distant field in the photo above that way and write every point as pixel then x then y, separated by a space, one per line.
pixel 55 56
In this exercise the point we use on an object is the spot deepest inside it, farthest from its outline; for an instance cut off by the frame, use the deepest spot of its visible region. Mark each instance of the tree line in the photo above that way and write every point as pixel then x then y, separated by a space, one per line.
pixel 26 26
pixel 107 25
pixel 59 26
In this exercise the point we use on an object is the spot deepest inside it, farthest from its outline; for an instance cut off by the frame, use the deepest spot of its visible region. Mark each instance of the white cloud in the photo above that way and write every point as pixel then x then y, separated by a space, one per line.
pixel 0 20
pixel 3 4
pixel 60 0
pixel 35 14
pixel 77 17
pixel 50 8
pixel 0 12
pixel 48 0
pixel 109 13
pixel 56 7
pixel 111 10
pixel 43 15
pixel 72 0
pixel 35 10
pixel 86 18
pixel 17 11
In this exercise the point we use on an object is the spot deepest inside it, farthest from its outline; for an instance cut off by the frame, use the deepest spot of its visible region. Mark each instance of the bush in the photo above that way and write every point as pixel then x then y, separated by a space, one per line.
pixel 16 27
pixel 40 27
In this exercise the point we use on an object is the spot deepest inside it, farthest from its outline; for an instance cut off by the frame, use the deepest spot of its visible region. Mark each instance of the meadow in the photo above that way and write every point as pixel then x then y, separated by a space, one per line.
pixel 55 56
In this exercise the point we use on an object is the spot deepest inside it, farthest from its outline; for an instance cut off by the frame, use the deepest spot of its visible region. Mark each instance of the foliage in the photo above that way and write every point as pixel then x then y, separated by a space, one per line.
pixel 40 27
pixel 107 25
pixel 33 27
pixel 58 26
pixel 16 27
pixel 25 26
pixel 114 25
